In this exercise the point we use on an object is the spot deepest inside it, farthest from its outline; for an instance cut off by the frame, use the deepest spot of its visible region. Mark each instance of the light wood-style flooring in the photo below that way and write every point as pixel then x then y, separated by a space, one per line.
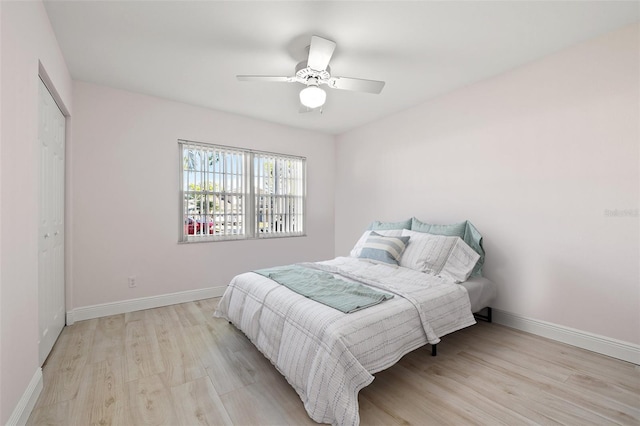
pixel 177 365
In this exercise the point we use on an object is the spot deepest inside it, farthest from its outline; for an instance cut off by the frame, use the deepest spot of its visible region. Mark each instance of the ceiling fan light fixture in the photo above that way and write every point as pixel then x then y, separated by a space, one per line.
pixel 312 96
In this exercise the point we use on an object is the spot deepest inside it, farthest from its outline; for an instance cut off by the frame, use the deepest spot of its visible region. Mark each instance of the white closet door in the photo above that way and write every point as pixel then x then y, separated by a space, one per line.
pixel 51 222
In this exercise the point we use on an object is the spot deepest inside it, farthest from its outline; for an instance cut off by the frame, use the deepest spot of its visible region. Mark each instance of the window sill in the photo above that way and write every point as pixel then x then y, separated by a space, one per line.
pixel 208 240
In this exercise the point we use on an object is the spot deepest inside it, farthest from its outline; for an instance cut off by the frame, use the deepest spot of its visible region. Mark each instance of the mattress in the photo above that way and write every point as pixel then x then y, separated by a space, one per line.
pixel 482 292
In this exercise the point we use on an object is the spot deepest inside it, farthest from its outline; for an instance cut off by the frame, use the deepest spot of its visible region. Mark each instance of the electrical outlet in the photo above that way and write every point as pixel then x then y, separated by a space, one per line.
pixel 132 282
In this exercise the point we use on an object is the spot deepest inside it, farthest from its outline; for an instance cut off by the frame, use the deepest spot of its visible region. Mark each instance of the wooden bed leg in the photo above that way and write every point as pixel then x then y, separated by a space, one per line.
pixel 434 350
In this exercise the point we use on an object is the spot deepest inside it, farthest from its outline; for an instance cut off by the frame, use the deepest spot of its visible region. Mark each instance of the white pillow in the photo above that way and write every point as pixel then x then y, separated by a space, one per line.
pixel 357 249
pixel 445 256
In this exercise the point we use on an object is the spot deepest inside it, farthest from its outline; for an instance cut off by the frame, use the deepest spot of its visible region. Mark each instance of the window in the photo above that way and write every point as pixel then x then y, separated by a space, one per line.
pixel 230 193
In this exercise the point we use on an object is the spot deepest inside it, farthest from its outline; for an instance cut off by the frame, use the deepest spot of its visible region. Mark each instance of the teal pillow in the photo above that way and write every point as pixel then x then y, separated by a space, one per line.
pixel 455 230
pixel 464 230
pixel 473 238
pixel 384 249
pixel 383 226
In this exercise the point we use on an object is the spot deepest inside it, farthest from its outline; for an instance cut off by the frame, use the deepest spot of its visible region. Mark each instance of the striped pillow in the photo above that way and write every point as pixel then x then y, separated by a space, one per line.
pixel 357 249
pixel 441 255
pixel 384 249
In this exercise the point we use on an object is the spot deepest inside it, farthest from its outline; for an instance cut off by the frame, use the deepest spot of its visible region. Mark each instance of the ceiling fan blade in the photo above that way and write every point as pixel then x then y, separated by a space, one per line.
pixel 320 53
pixel 356 84
pixel 266 78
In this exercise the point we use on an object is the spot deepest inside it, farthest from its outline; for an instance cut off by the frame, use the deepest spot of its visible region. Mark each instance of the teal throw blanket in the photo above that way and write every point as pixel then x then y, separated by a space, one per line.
pixel 324 288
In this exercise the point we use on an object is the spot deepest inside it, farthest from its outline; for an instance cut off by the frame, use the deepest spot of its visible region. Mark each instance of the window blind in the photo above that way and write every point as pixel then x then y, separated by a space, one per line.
pixel 232 193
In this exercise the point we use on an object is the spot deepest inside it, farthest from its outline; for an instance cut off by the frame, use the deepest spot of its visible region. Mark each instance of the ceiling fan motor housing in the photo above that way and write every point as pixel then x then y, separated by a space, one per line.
pixel 304 72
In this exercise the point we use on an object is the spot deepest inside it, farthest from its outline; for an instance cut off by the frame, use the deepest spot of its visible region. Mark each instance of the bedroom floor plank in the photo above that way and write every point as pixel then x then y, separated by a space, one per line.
pixel 520 393
pixel 226 371
pixel 140 331
pixel 108 338
pixel 478 400
pixel 180 364
pixel 150 402
pixel 266 402
pixel 570 358
pixel 371 414
pixel 417 401
pixel 190 314
pixel 177 365
pixel 197 403
pixel 142 360
pixel 619 402
pixel 609 391
pixel 100 399
pixel 54 414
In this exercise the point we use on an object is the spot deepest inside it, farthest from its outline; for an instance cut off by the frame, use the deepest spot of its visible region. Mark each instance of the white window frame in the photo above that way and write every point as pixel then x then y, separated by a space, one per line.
pixel 279 212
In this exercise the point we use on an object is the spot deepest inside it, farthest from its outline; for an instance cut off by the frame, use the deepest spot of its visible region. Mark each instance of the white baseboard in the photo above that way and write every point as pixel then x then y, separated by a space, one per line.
pixel 25 405
pixel 131 305
pixel 603 345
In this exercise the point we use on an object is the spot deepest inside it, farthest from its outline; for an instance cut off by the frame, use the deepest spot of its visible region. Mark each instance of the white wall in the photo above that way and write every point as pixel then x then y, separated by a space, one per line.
pixel 534 158
pixel 125 202
pixel 26 38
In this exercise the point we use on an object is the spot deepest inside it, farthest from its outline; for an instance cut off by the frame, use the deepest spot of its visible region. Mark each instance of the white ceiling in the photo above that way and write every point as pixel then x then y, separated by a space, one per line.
pixel 191 51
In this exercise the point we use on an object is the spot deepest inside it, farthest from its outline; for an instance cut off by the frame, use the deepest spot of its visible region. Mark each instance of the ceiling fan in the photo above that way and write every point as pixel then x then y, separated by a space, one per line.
pixel 315 72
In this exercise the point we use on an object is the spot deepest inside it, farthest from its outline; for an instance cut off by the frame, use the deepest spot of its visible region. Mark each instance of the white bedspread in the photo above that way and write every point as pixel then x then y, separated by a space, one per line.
pixel 328 356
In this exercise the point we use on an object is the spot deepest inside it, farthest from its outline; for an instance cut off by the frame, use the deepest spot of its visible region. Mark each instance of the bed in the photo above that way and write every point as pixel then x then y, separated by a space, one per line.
pixel 327 355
